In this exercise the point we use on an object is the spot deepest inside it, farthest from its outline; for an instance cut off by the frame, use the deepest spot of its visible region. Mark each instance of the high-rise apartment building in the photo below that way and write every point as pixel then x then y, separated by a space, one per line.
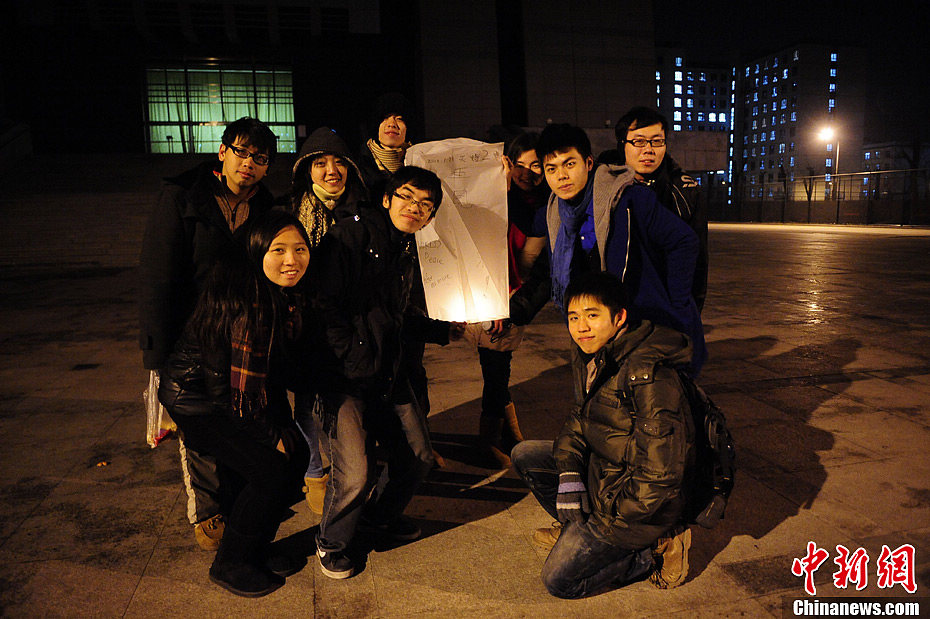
pixel 692 98
pixel 798 112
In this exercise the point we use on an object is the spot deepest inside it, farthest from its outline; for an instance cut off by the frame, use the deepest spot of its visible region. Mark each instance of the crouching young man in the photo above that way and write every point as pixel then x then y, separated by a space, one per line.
pixel 614 479
pixel 361 283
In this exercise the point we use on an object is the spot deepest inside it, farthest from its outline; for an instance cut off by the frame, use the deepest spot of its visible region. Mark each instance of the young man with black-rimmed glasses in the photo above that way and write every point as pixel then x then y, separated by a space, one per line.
pixel 361 276
pixel 189 229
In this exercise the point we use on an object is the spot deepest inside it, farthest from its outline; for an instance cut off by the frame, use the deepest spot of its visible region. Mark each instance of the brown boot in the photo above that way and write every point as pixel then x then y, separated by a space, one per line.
pixel 209 532
pixel 489 433
pixel 671 555
pixel 511 427
pixel 548 536
pixel 315 492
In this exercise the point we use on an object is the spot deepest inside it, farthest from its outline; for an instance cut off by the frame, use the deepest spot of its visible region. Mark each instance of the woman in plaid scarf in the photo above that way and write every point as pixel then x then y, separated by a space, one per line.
pixel 225 387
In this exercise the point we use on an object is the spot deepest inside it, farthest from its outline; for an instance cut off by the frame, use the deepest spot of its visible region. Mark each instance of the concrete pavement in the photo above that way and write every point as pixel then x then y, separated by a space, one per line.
pixel 819 342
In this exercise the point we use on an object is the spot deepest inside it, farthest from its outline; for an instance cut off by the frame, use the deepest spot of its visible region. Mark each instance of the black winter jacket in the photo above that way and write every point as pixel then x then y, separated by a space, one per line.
pixel 360 278
pixel 195 382
pixel 185 235
pixel 631 436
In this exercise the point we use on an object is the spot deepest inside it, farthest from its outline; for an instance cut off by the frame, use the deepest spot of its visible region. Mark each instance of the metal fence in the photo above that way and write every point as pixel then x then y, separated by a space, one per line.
pixel 882 197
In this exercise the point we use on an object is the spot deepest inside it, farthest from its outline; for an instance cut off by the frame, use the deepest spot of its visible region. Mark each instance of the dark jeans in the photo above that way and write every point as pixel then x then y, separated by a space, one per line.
pixel 309 427
pixel 270 478
pixel 582 562
pixel 400 431
pixel 495 370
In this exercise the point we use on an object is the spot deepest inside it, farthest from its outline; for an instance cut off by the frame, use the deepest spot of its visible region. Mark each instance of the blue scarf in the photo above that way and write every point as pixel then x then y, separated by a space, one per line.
pixel 572 218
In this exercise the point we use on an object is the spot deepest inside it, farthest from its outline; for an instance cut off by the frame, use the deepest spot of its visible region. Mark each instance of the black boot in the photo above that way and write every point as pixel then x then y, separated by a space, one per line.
pixel 235 567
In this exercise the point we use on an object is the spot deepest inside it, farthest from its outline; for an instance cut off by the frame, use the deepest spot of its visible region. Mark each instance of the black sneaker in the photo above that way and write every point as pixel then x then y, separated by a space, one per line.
pixel 335 564
pixel 401 529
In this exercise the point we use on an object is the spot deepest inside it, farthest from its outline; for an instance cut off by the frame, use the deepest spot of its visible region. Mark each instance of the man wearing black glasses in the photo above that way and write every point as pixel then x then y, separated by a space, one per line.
pixel 641 145
pixel 361 278
pixel 191 228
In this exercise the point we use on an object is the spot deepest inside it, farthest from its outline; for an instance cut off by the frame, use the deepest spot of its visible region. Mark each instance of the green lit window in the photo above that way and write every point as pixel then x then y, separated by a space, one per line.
pixel 188 108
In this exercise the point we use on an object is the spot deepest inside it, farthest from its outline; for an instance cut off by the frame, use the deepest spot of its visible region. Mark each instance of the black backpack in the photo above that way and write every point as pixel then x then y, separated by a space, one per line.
pixel 715 458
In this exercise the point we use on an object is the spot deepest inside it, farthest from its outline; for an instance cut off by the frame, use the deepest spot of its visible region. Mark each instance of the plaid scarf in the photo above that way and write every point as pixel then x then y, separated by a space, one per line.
pixel 248 369
pixel 250 356
pixel 315 216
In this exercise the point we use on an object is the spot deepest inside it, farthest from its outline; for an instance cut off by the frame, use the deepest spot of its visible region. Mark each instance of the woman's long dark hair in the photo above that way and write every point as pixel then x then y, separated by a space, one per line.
pixel 237 285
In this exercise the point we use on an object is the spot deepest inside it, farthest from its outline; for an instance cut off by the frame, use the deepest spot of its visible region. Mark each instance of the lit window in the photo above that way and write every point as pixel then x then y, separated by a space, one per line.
pixel 658 89
pixel 658 75
pixel 774 91
pixel 690 102
pixel 755 96
pixel 755 125
pixel 688 116
pixel 878 166
pixel 762 137
pixel 690 76
pixel 867 156
pixel 755 110
pixel 700 117
pixel 762 150
pixel 188 107
pixel 832 72
pixel 757 68
pixel 677 89
pixel 765 108
pixel 794 116
pixel 826 177
pixel 745 141
pixel 833 57
pixel 791 161
pixel 676 101
pixel 832 87
pixel 677 76
pixel 775 62
pixel 784 103
pixel 831 102
pixel 781 148
pixel 722 118
pixel 765 80
pixel 702 77
pixel 678 61
pixel 784 74
pixel 658 102
pixel 828 162
pixel 747 71
pixel 865 181
pixel 690 88
pixel 677 115
pixel 677 127
pixel 830 148
pixel 712 117
pixel 772 136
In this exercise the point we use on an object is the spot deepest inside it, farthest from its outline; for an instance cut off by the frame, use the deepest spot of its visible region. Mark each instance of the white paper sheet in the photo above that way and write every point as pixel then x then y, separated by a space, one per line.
pixel 463 251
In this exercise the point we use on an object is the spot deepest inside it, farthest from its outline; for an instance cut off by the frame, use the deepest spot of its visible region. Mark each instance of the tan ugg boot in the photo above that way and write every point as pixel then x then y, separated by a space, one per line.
pixel 548 536
pixel 489 433
pixel 511 426
pixel 315 492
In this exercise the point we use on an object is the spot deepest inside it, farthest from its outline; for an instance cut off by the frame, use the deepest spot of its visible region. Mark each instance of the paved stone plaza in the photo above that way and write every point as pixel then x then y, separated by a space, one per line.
pixel 819 342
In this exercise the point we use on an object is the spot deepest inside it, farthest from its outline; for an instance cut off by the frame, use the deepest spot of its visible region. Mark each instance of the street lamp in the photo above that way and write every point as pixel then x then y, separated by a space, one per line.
pixel 827 134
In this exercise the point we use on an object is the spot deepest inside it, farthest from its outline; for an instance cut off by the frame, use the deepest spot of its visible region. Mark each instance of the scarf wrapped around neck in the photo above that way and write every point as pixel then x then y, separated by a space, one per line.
pixel 250 356
pixel 388 159
pixel 571 219
pixel 316 215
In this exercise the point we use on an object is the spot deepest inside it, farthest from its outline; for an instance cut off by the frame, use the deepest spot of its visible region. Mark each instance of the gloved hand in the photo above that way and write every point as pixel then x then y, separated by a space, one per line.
pixel 571 503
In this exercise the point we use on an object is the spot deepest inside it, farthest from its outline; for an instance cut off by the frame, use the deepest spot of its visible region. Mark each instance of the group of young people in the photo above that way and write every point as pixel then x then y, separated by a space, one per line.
pixel 244 299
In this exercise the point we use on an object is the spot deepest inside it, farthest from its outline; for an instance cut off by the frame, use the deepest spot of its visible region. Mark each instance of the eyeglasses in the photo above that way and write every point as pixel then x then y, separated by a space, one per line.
pixel 242 153
pixel 425 206
pixel 641 142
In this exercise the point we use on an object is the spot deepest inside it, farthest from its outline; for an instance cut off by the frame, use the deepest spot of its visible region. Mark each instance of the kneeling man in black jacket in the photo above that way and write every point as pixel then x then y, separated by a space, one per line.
pixel 616 475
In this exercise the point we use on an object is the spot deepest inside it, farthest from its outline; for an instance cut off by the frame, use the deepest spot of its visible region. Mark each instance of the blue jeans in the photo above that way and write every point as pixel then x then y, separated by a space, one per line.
pixel 400 431
pixel 582 562
pixel 303 415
